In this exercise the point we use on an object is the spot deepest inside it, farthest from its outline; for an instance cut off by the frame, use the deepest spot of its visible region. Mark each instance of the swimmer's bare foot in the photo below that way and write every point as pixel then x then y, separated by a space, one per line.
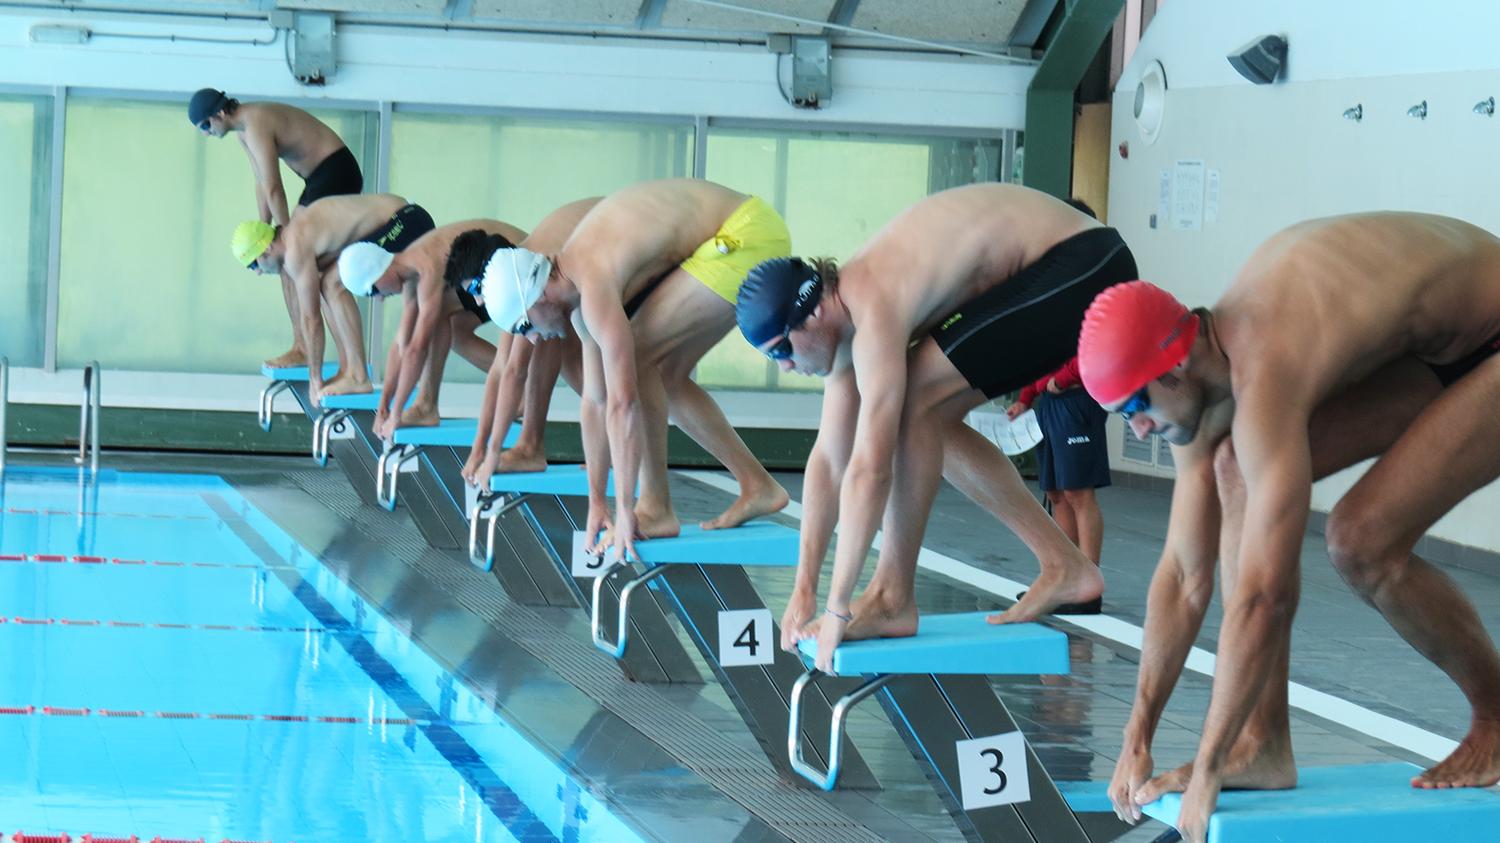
pixel 343 384
pixel 1074 583
pixel 875 616
pixel 420 415
pixel 521 459
pixel 650 524
pixel 1253 764
pixel 752 503
pixel 656 524
pixel 289 360
pixel 1476 762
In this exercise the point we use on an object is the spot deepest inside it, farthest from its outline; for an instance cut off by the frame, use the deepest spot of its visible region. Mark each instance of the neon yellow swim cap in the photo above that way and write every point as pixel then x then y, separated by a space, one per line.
pixel 250 240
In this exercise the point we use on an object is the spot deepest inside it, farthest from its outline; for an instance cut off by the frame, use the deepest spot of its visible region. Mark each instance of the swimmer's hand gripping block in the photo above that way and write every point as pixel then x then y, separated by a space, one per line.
pixel 759 543
pixel 944 644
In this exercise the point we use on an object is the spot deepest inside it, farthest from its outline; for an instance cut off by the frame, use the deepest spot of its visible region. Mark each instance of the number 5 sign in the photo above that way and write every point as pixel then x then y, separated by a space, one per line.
pixel 992 771
pixel 746 637
pixel 585 564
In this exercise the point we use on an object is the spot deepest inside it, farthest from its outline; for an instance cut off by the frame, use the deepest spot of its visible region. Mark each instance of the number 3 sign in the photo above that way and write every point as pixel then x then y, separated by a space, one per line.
pixel 992 771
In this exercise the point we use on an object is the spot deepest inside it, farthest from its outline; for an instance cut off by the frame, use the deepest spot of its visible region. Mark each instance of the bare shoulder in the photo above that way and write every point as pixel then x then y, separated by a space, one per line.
pixel 286 115
pixel 977 230
pixel 555 228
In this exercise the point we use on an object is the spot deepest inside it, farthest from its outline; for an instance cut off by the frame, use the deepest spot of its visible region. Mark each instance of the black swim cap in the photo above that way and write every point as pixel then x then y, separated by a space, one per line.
pixel 770 295
pixel 205 104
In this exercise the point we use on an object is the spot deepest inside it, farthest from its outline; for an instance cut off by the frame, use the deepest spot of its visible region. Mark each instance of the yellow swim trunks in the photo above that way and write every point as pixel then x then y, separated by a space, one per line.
pixel 753 233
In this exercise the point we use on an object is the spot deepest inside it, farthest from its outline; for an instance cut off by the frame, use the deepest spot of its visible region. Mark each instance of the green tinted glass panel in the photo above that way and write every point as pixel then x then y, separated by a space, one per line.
pixel 25 183
pixel 147 281
pixel 519 170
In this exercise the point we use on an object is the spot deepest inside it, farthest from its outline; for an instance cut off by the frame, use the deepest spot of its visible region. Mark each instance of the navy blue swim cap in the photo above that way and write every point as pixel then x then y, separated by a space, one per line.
pixel 774 293
pixel 205 104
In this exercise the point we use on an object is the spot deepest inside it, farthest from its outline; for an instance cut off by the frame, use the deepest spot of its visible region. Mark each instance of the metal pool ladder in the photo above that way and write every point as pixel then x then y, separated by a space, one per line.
pixel 88 418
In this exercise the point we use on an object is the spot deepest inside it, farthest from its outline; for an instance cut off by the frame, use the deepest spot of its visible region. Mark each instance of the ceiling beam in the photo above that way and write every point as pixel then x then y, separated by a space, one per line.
pixel 459 10
pixel 650 14
pixel 1028 29
pixel 842 13
pixel 1049 97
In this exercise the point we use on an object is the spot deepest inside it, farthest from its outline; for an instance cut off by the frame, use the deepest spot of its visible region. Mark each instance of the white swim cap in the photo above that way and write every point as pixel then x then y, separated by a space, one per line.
pixel 361 265
pixel 513 281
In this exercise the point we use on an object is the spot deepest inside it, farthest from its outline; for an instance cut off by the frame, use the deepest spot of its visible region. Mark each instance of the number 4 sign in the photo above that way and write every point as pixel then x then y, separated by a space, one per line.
pixel 746 638
pixel 992 771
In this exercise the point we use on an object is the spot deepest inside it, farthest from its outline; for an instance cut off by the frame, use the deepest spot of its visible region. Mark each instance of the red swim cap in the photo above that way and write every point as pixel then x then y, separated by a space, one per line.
pixel 1132 334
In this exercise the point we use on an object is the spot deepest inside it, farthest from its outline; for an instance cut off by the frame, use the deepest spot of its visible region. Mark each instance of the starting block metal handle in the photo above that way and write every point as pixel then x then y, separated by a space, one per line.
pixel 487 511
pixel 622 619
pixel 388 471
pixel 480 511
pixel 323 432
pixel 267 400
pixel 829 778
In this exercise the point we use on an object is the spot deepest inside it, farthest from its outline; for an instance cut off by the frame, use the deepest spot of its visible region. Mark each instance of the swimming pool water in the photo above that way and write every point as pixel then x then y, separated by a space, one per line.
pixel 160 677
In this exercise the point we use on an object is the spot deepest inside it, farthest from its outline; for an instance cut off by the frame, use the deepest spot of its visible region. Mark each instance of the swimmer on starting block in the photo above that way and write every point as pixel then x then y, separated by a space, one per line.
pixel 520 382
pixel 1341 339
pixel 272 132
pixel 971 293
pixel 686 245
pixel 307 249
pixel 434 318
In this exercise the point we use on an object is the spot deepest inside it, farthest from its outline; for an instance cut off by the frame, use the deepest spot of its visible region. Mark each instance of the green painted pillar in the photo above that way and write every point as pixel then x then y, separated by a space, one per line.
pixel 1049 99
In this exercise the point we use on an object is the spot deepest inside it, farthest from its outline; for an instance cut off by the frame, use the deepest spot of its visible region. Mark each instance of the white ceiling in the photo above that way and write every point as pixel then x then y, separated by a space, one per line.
pixel 986 24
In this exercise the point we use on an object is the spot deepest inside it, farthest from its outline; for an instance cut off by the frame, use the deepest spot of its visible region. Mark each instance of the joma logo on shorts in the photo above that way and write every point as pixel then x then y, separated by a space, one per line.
pixel 1078 440
pixel 948 323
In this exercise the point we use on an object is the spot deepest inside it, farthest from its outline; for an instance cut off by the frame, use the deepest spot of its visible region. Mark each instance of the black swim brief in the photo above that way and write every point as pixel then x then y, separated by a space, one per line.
pixel 639 299
pixel 336 175
pixel 1027 325
pixel 402 229
pixel 1450 372
pixel 472 305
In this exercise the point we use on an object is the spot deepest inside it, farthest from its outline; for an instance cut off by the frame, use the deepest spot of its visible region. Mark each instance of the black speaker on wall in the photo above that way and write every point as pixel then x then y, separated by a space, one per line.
pixel 1260 61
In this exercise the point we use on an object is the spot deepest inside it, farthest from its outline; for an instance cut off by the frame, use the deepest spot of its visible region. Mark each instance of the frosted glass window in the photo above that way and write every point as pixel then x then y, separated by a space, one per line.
pixel 25 185
pixel 146 278
pixel 518 170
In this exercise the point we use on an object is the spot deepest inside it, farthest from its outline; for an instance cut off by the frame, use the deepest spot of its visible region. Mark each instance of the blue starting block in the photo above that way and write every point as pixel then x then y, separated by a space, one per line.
pixel 367 401
pixel 962 643
pixel 283 380
pixel 356 459
pixel 1366 802
pixel 934 687
pixel 701 573
pixel 760 543
pixel 344 424
pixel 570 480
pixel 454 433
pixel 536 514
pixel 508 491
pixel 334 410
pixel 408 443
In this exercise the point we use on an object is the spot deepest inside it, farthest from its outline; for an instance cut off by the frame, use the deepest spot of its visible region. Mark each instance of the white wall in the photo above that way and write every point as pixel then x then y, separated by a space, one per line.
pixel 517 71
pixel 1285 153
